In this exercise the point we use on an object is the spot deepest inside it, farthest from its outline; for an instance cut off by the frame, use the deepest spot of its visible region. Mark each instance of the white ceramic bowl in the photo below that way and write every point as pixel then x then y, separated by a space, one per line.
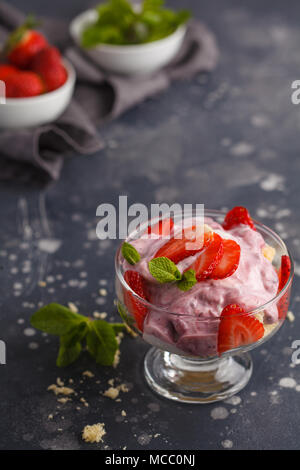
pixel 38 110
pixel 134 59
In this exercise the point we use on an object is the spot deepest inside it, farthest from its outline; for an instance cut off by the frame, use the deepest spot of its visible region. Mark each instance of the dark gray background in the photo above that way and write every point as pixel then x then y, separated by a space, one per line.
pixel 225 139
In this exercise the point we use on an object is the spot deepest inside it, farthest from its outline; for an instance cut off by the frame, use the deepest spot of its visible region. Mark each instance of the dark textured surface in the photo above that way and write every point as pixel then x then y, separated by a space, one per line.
pixel 231 138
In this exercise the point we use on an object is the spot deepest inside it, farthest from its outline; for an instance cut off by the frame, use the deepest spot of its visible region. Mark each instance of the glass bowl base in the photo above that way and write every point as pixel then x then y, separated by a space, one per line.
pixel 190 380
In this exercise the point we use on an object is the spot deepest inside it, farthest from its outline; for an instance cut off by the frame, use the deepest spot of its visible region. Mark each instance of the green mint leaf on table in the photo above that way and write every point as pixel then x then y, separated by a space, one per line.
pixel 55 319
pixel 130 253
pixel 75 331
pixel 68 354
pixel 101 342
pixel 187 281
pixel 164 270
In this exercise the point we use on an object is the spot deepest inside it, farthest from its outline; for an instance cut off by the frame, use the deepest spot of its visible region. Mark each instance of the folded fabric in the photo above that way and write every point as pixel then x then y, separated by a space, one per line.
pixel 38 154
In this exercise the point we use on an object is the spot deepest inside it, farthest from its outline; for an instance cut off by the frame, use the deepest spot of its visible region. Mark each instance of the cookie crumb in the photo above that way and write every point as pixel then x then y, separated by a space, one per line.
pixel 60 390
pixel 88 373
pixel 123 413
pixel 72 307
pixel 290 316
pixel 112 392
pixel 93 433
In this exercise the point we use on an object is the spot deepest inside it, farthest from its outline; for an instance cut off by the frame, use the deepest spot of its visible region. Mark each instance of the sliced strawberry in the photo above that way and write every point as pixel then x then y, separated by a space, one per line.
pixel 284 274
pixel 177 249
pixel 229 261
pixel 238 215
pixel 209 258
pixel 162 228
pixel 137 283
pixel 284 271
pixel 236 329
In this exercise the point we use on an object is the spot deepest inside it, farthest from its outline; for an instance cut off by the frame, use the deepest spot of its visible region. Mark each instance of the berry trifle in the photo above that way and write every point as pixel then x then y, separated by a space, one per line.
pixel 202 293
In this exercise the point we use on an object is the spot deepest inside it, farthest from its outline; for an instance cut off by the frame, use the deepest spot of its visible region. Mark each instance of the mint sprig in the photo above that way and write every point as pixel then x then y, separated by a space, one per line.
pixel 130 253
pixel 76 331
pixel 187 281
pixel 165 271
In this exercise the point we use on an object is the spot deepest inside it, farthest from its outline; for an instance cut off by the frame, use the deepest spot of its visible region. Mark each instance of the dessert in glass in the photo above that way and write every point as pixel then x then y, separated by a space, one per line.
pixel 203 297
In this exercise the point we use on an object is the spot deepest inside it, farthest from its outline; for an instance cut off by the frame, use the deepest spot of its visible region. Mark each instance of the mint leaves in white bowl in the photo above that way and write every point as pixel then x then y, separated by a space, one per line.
pixel 130 40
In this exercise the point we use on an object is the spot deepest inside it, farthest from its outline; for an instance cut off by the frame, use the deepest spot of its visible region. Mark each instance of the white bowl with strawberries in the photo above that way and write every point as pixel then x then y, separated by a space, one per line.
pixel 39 83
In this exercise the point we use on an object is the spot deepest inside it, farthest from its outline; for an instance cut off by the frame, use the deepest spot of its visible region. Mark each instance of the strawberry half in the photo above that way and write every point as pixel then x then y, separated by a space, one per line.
pixel 162 228
pixel 207 260
pixel 284 274
pixel 177 249
pixel 229 261
pixel 23 84
pixel 137 283
pixel 238 215
pixel 24 43
pixel 236 329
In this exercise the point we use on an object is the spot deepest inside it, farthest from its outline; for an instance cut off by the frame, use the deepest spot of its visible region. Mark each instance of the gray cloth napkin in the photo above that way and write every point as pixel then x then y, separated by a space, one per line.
pixel 38 154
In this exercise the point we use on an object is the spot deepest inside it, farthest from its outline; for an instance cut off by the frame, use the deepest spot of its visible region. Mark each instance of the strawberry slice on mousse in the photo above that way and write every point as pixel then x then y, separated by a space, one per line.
pixel 284 274
pixel 163 228
pixel 208 260
pixel 137 283
pixel 176 249
pixel 236 216
pixel 229 261
pixel 237 328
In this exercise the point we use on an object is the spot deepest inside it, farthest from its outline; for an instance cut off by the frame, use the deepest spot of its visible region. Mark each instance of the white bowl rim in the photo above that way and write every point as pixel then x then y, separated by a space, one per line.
pixel 120 48
pixel 49 95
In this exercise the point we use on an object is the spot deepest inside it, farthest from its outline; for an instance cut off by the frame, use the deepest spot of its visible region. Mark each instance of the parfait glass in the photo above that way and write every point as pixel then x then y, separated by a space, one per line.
pixel 179 371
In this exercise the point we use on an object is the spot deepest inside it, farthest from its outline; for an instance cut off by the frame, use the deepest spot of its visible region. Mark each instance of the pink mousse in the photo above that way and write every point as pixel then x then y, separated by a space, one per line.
pixel 192 327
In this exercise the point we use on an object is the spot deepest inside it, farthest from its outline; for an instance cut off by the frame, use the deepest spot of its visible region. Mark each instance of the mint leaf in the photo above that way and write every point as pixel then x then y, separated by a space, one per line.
pixel 164 270
pixel 130 253
pixel 70 345
pixel 101 342
pixel 56 319
pixel 118 327
pixel 68 354
pixel 188 280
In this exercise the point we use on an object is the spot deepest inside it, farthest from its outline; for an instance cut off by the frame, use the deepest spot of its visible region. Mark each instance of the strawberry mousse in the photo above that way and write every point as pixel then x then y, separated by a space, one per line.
pixel 198 298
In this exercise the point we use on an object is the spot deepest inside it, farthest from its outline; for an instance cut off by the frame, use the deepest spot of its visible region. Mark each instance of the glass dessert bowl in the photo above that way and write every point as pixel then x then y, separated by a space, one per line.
pixel 202 310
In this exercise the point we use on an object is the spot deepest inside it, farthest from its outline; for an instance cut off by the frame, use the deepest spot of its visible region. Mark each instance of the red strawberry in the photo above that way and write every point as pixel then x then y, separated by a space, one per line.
pixel 238 215
pixel 229 261
pixel 284 271
pixel 209 258
pixel 6 70
pixel 23 84
pixel 177 249
pixel 47 63
pixel 163 227
pixel 236 329
pixel 137 283
pixel 284 274
pixel 24 43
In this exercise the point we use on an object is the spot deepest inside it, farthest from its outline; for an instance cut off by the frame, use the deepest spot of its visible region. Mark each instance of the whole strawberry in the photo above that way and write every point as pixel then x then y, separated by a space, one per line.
pixel 48 64
pixel 6 70
pixel 23 44
pixel 23 84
